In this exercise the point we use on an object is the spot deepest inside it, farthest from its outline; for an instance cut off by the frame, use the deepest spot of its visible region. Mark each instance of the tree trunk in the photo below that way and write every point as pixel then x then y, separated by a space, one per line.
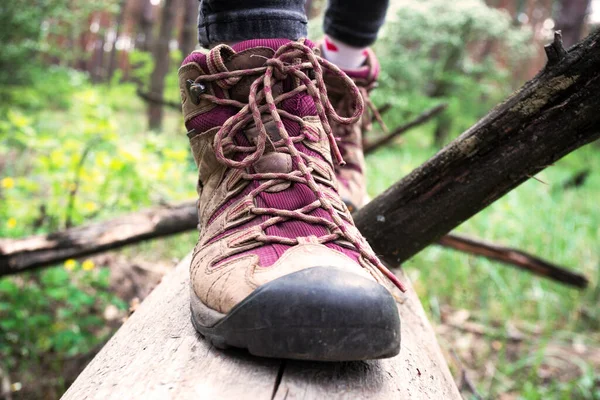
pixel 189 37
pixel 161 63
pixel 144 40
pixel 112 64
pixel 552 115
pixel 571 16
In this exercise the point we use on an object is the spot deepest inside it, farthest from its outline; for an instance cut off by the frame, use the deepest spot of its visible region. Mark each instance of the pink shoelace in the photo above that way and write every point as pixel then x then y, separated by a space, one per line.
pixel 290 60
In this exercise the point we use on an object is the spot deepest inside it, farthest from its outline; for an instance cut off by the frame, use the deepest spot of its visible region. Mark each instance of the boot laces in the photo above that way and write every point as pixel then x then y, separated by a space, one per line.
pixel 298 61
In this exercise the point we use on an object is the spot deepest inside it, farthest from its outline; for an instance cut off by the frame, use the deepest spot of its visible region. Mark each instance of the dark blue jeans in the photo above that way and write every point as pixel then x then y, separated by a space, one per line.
pixel 353 22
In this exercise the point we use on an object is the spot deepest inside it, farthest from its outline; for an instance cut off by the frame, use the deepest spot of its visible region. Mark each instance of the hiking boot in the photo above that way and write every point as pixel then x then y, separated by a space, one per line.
pixel 279 268
pixel 351 176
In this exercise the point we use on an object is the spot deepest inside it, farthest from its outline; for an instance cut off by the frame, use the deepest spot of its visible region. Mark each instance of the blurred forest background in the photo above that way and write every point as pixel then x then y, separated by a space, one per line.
pixel 89 130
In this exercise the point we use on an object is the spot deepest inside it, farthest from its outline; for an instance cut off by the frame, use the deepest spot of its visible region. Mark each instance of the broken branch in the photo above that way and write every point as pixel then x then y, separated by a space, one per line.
pixel 420 119
pixel 515 258
pixel 17 255
pixel 555 50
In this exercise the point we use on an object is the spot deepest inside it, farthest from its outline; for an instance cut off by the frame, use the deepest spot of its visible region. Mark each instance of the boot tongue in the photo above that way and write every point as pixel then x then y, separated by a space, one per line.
pixel 248 59
pixel 253 54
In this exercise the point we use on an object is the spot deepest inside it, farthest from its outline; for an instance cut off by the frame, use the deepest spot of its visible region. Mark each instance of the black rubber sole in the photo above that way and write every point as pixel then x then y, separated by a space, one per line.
pixel 319 314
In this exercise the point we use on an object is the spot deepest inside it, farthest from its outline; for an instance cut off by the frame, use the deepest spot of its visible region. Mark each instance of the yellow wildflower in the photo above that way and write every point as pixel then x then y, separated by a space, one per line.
pixel 90 206
pixel 70 264
pixel 11 223
pixel 88 265
pixel 8 183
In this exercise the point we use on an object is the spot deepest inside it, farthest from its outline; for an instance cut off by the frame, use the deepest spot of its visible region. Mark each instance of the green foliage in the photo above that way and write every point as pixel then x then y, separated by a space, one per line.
pixel 53 311
pixel 73 152
pixel 28 29
pixel 79 155
pixel 434 51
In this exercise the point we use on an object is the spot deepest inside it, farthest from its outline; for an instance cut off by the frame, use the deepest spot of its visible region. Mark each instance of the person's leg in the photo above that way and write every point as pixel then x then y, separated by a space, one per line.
pixel 350 27
pixel 232 21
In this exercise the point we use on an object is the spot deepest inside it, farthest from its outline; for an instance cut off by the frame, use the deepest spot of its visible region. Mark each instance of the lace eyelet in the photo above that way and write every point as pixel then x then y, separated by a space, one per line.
pixel 195 89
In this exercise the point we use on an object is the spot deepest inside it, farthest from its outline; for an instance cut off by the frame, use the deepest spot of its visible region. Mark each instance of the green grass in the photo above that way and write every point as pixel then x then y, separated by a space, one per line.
pixel 562 226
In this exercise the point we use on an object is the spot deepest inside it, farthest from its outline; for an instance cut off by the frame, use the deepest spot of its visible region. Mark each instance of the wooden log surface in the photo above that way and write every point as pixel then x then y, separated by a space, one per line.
pixel 552 115
pixel 157 354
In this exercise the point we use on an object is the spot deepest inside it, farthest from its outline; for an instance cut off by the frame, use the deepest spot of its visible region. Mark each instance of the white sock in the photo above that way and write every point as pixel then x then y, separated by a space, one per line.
pixel 342 55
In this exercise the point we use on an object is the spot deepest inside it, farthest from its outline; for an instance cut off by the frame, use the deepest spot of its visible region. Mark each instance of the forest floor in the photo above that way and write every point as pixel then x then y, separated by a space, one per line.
pixel 506 334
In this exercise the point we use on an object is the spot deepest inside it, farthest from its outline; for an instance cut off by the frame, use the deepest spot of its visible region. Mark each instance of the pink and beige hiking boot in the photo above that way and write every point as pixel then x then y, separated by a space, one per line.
pixel 351 176
pixel 279 268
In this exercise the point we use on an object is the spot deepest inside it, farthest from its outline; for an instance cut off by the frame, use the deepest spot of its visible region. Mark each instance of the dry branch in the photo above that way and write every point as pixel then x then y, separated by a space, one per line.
pixel 420 119
pixel 515 258
pixel 157 100
pixel 552 115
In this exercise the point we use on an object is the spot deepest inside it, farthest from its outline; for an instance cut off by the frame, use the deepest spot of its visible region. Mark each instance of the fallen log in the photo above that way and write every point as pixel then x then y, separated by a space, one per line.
pixel 514 257
pixel 157 354
pixel 552 115
pixel 18 255
pixel 371 146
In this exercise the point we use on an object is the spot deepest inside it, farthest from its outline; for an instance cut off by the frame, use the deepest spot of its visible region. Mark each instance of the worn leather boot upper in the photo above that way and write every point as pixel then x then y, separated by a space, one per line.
pixel 257 115
pixel 351 176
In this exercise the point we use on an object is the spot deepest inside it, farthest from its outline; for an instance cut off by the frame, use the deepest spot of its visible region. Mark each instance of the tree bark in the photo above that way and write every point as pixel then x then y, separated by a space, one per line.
pixel 161 63
pixel 570 19
pixel 189 37
pixel 552 115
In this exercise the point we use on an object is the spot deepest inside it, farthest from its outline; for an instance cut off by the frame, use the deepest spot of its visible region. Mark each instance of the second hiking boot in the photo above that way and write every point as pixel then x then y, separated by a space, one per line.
pixel 279 268
pixel 351 175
